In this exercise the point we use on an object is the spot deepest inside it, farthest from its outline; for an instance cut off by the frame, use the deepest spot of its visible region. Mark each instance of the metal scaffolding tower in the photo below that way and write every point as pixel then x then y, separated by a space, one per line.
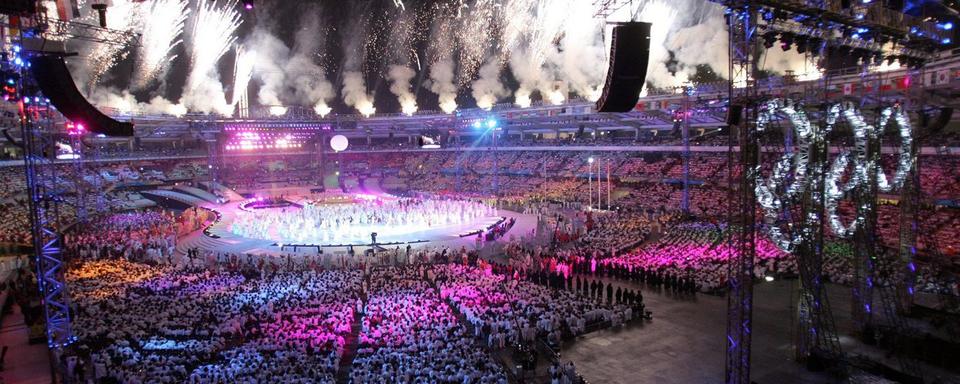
pixel 46 195
pixel 215 156
pixel 742 164
pixel 686 111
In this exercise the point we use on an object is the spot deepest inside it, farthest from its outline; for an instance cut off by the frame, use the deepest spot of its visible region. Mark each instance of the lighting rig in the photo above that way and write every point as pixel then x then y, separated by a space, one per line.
pixel 867 33
pixel 39 132
pixel 862 29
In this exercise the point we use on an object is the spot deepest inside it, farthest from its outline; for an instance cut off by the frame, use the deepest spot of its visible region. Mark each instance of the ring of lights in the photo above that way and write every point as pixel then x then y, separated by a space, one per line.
pixel 864 133
pixel 795 164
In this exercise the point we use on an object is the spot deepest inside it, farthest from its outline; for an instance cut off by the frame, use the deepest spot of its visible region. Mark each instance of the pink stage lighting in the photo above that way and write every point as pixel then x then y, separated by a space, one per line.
pixel 75 129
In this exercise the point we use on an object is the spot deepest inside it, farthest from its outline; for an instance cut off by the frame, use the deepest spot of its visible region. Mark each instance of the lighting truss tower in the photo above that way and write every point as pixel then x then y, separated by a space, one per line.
pixel 910 205
pixel 76 145
pixel 215 157
pixel 605 8
pixel 321 156
pixel 685 155
pixel 742 27
pixel 45 197
pixel 817 334
pixel 864 239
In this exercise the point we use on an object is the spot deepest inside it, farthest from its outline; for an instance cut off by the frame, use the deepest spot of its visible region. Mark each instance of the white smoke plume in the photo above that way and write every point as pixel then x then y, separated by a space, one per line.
pixel 308 79
pixel 703 43
pixel 355 93
pixel 533 75
pixel 400 86
pixel 162 28
pixel 663 16
pixel 291 76
pixel 442 76
pixel 582 58
pixel 124 102
pixel 440 53
pixel 271 54
pixel 309 84
pixel 488 89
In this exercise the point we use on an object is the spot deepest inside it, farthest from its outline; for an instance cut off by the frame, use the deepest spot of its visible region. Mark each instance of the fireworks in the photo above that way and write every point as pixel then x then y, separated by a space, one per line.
pixel 161 34
pixel 124 15
pixel 553 48
pixel 242 73
pixel 401 77
pixel 213 35
pixel 440 54
pixel 322 109
pixel 355 93
pixel 475 37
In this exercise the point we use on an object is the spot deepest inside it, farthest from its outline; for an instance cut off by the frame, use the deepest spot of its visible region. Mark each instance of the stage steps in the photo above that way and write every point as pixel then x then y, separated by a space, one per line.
pixel 350 350
pixel 197 192
pixel 230 194
pixel 176 196
pixel 199 240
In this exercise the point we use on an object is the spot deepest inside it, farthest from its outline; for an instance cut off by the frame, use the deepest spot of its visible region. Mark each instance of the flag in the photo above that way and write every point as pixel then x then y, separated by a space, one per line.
pixel 848 89
pixel 67 9
pixel 943 77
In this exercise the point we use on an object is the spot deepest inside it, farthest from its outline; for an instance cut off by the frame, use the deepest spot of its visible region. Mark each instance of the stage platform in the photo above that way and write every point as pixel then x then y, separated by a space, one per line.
pixel 219 236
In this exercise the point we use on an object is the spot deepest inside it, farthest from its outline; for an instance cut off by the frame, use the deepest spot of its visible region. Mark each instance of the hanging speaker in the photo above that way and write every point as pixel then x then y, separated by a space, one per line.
pixel 18 7
pixel 629 55
pixel 942 120
pixel 54 79
pixel 734 113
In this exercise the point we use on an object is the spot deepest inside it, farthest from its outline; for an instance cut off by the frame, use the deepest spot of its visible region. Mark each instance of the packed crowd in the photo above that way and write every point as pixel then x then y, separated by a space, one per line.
pixel 143 236
pixel 410 334
pixel 164 324
pixel 173 323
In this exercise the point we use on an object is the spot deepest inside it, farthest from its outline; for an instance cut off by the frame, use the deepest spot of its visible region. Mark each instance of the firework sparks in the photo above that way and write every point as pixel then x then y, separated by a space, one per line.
pixel 124 15
pixel 161 31
pixel 213 35
pixel 242 73
pixel 475 38
pixel 355 93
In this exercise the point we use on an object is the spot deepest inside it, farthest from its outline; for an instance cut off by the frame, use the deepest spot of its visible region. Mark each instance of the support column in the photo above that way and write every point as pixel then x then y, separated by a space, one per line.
pixel 685 156
pixel 44 201
pixel 742 210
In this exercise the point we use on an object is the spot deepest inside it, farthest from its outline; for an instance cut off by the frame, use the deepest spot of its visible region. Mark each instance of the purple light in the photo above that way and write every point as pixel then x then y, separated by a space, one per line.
pixel 248 6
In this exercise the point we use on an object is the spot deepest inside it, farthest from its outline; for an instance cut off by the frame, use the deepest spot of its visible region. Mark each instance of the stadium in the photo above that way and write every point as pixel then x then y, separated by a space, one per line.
pixel 479 191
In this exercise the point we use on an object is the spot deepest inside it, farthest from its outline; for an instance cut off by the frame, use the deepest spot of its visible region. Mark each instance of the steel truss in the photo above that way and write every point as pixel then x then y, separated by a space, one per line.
pixel 45 197
pixel 215 157
pixel 865 241
pixel 84 162
pixel 686 109
pixel 742 22
pixel 321 157
pixel 817 331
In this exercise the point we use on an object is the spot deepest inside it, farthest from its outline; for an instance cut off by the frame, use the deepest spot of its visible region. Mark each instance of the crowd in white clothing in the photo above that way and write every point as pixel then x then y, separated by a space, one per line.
pixel 409 334
pixel 323 223
pixel 163 324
